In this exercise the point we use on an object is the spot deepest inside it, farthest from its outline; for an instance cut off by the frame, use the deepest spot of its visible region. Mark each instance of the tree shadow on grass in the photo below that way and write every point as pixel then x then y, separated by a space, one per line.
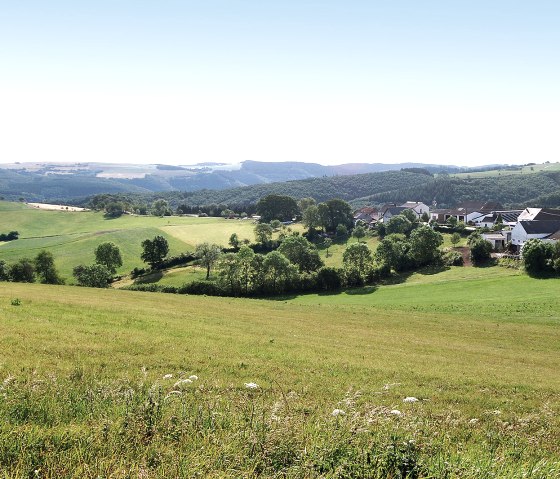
pixel 542 274
pixel 149 278
pixel 361 290
pixel 486 264
pixel 403 277
pixel 429 270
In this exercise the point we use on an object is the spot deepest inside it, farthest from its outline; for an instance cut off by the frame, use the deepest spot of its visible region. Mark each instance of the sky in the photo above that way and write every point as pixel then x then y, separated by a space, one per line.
pixel 181 82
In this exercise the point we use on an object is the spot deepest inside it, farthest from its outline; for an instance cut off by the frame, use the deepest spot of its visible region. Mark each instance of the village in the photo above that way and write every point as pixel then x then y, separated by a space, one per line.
pixel 506 230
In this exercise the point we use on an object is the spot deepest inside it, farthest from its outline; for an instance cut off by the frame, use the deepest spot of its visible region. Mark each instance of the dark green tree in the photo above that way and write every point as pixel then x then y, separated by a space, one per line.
pixel 357 262
pixel 301 252
pixel 537 256
pixel 93 276
pixel 329 279
pixel 46 269
pixel 109 255
pixel 424 245
pixel 23 271
pixel 278 271
pixel 335 212
pixel 4 276
pixel 481 250
pixel 114 209
pixel 311 218
pixel 154 251
pixel 399 224
pixel 393 251
pixel 277 207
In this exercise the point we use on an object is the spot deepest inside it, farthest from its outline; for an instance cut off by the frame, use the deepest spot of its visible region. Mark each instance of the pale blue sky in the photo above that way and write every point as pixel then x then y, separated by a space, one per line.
pixel 463 82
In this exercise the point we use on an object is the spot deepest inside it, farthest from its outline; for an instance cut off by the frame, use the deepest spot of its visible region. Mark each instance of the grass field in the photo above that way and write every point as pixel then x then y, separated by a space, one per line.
pixel 84 394
pixel 73 237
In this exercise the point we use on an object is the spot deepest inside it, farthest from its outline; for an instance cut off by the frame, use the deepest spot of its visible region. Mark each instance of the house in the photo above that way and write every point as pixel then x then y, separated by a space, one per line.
pixel 418 207
pixel 460 214
pixel 507 217
pixel 368 215
pixel 526 230
pixel 484 207
pixel 539 214
pixel 499 239
pixel 388 211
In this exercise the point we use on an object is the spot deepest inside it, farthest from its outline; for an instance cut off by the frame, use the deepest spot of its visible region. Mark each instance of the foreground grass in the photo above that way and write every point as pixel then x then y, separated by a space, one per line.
pixel 84 393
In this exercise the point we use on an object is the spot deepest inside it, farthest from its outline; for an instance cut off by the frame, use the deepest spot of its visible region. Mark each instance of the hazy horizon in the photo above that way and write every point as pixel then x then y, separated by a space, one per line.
pixel 321 82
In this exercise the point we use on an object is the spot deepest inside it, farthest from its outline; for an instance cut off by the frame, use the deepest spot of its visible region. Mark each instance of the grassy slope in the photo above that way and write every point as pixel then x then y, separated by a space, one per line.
pixel 72 237
pixel 469 341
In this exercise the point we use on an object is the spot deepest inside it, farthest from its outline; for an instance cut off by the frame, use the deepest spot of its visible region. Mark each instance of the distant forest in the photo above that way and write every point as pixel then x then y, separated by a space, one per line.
pixel 515 191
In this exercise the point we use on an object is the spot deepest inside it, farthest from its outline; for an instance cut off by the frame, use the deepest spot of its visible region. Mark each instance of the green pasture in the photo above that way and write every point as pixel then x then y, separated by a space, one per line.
pixel 73 236
pixel 84 394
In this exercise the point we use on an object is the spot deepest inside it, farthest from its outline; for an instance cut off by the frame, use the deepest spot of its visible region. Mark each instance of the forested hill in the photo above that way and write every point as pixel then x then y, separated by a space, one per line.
pixel 378 188
pixel 325 188
pixel 511 191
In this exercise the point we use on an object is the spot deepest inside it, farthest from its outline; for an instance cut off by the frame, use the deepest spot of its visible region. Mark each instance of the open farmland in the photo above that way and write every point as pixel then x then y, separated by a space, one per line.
pixel 84 393
pixel 73 236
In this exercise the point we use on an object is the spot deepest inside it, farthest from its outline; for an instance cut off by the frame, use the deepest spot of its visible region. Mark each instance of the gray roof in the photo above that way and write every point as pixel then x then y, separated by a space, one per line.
pixel 540 227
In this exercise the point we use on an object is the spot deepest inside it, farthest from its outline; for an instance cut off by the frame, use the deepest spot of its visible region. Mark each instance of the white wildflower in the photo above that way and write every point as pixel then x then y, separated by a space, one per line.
pixel 182 382
pixel 338 412
pixel 395 412
pixel 473 420
pixel 193 377
pixel 167 376
pixel 410 399
pixel 251 385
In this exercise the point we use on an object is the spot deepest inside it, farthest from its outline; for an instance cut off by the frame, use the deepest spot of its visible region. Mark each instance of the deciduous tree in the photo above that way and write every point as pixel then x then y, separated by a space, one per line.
pixel 208 254
pixel 109 255
pixel 154 251
pixel 46 269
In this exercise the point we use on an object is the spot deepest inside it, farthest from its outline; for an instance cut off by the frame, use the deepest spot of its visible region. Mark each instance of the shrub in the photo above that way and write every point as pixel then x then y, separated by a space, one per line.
pixel 329 279
pixel 209 288
pixel 378 272
pixel 537 256
pixel 480 251
pixel 137 272
pixel 22 272
pixel 93 276
pixel 452 258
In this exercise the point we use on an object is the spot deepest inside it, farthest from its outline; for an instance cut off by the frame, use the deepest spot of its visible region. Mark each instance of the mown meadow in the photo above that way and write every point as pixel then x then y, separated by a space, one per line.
pixel 308 386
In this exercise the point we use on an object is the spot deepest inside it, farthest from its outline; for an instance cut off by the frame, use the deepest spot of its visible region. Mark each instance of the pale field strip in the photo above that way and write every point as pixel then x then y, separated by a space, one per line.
pixel 47 206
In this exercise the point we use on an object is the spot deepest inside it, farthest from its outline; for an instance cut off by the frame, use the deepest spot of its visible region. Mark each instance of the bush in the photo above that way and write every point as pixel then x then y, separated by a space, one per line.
pixel 209 288
pixel 137 272
pixel 149 288
pixel 22 272
pixel 93 276
pixel 378 272
pixel 480 250
pixel 11 236
pixel 452 258
pixel 537 256
pixel 329 279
